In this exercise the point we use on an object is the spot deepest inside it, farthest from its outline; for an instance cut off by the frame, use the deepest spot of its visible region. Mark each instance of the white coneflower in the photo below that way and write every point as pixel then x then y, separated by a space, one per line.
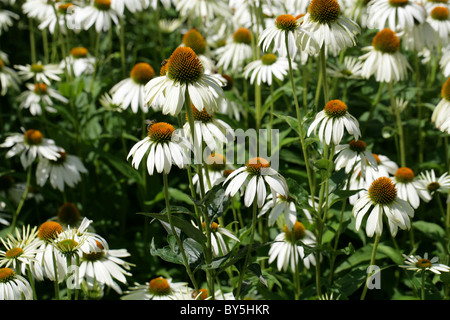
pixel 420 36
pixel 106 102
pixel 419 264
pixel 98 12
pixel 396 15
pixel 6 19
pixel 236 52
pixel 429 181
pixel 385 168
pixel 204 10
pixel 195 40
pixel 266 68
pixel 157 289
pixel 184 74
pixel 349 155
pixel 132 6
pixel 329 27
pixel 14 286
pixel 382 196
pixel 349 69
pixel 218 244
pixel 216 164
pixel 66 170
pixel 287 251
pixel 164 149
pixel 259 173
pixel 30 145
pixel 130 92
pixel 79 62
pixel 441 112
pixel 408 188
pixel 8 78
pixel 332 121
pixel 62 18
pixel 38 9
pixel 384 59
pixel 444 63
pixel 440 22
pixel 287 25
pixel 39 97
pixel 39 72
pixel 284 206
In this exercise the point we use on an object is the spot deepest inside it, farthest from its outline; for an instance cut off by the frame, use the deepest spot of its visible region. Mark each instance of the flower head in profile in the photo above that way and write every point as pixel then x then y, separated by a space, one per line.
pixel 383 199
pixel 325 22
pixel 216 166
pixel 40 72
pixel 419 264
pixel 7 19
pixel 39 97
pixel 236 52
pixel 220 246
pixel 255 175
pixel 441 113
pixel 440 22
pixel 79 62
pixel 184 75
pixel 14 286
pixel 429 181
pixel 9 78
pixel 266 68
pixel 283 207
pixel 166 147
pixel 384 59
pixel 156 289
pixel 99 13
pixel 354 153
pixel 408 188
pixel 332 121
pixel 349 69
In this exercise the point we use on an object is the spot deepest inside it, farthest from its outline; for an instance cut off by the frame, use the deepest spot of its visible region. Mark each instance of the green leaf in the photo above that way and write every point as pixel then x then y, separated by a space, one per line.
pixel 122 166
pixel 166 253
pixel 430 229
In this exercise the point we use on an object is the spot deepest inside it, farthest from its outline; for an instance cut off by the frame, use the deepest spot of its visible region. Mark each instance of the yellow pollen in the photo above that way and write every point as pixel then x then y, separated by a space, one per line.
pixel 37 68
pixel 382 191
pixel 398 3
pixel 184 66
pixel 33 137
pixel 69 214
pixel 440 13
pixel 142 73
pixel 297 233
pixel 358 146
pixel 194 40
pixel 386 41
pixel 255 165
pixel 268 59
pixel 79 52
pixel 102 4
pixel 6 274
pixel 335 108
pixel 404 174
pixel 13 253
pixel 324 11
pixel 161 132
pixel 49 230
pixel 40 88
pixel 216 162
pixel 242 35
pixel 159 287
pixel 445 90
pixel 286 22
pixel 423 263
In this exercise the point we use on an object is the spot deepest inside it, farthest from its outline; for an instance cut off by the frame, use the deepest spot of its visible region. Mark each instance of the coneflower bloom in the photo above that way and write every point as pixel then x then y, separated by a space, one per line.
pixel 349 155
pixel 63 16
pixel 30 145
pixel 287 25
pixel 256 174
pixel 332 121
pixel 8 78
pixel 408 188
pixel 218 244
pixel 156 289
pixel 6 19
pixel 349 69
pixel 38 9
pixel 132 6
pixel 39 72
pixel 39 97
pixel 385 168
pixel 396 15
pixel 166 147
pixel 384 59
pixel 329 27
pixel 195 40
pixel 130 92
pixel 288 252
pixel 14 286
pixel 98 12
pixel 266 68
pixel 440 22
pixel 382 197
pixel 419 264
pixel 79 62
pixel 441 113
pixel 184 74
pixel 233 55
pixel 216 164
pixel 429 181
pixel 283 207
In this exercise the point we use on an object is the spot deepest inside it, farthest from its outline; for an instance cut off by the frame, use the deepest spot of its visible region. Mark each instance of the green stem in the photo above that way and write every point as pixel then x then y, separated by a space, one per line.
pixel 296 272
pixel 22 200
pixel 31 281
pixel 122 47
pixel 422 289
pixel 32 40
pixel 56 282
pixel 372 262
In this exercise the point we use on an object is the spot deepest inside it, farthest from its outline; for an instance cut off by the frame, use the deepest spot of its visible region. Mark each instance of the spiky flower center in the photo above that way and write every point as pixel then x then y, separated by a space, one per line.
pixel 61 159
pixel 161 132
pixel 214 226
pixel 256 165
pixel 36 68
pixel 440 13
pixel 95 255
pixel 358 146
pixel 67 245
pixel 404 175
pixel 242 35
pixel 184 66
pixel 33 137
pixel 298 232
pixel 386 41
pixel 445 90
pixel 324 11
pixel 216 162
pixel 268 59
pixel 201 295
pixel 13 253
pixel 433 186
pixel 40 88
pixel 142 73
pixel 398 3
pixel 194 40
pixel 49 230
pixel 79 52
pixel 62 8
pixel 6 274
pixel 202 116
pixel 103 5
pixel 226 173
pixel 164 65
pixel 335 108
pixel 68 214
pixel 286 22
pixel 382 191
pixel 159 287
pixel 423 263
